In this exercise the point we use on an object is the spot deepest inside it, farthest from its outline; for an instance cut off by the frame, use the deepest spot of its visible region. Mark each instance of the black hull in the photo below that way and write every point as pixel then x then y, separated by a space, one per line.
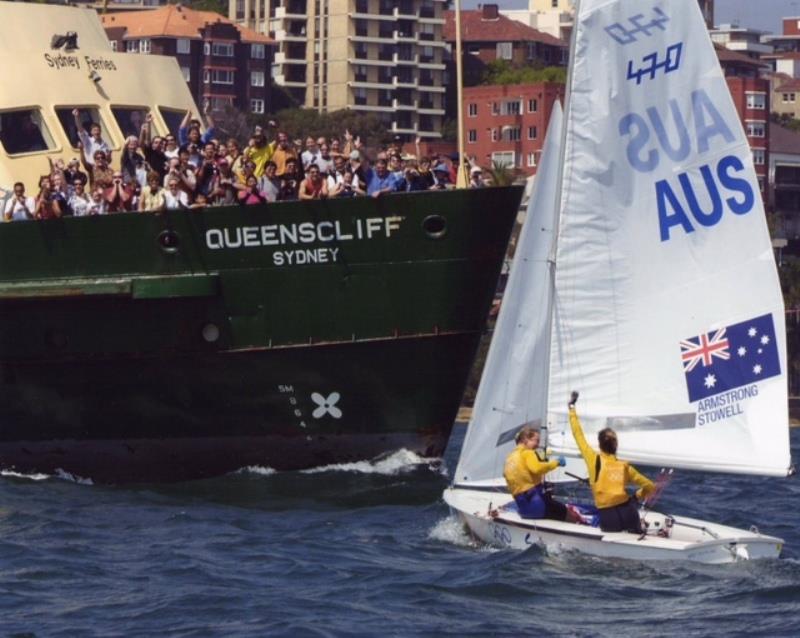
pixel 157 419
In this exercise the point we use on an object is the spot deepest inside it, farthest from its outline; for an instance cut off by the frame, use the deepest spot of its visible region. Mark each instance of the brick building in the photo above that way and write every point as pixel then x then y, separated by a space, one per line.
pixel 507 124
pixel 223 64
pixel 751 95
pixel 487 35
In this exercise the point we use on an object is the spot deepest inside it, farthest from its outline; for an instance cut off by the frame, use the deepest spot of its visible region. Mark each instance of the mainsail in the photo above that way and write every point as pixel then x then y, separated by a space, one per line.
pixel 513 386
pixel 668 314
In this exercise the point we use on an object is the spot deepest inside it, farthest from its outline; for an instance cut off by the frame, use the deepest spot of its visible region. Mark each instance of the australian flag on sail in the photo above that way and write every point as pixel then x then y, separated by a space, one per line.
pixel 730 357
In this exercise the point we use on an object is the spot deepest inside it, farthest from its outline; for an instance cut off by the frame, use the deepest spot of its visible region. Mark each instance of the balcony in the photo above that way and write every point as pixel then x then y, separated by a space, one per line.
pixel 295 35
pixel 398 105
pixel 362 11
pixel 405 10
pixel 375 108
pixel 405 58
pixel 290 81
pixel 432 109
pixel 367 39
pixel 405 81
pixel 426 63
pixel 409 128
pixel 288 58
pixel 405 36
pixel 365 61
pixel 430 88
pixel 294 10
pixel 368 84
pixel 387 55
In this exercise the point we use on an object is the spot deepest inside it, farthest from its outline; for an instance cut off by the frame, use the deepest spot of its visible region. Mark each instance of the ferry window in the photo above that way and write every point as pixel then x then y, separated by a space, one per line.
pixel 88 117
pixel 130 118
pixel 172 117
pixel 24 131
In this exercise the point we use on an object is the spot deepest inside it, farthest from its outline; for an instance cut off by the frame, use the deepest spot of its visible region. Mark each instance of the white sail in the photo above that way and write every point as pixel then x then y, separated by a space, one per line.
pixel 668 312
pixel 513 385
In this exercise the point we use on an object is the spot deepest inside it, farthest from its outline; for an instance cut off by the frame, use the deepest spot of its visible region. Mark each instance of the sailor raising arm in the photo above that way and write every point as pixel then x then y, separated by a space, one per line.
pixel 608 477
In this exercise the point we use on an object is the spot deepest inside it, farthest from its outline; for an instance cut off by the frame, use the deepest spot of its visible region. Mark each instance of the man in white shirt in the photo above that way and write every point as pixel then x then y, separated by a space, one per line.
pixel 311 154
pixel 19 207
pixel 175 198
pixel 92 141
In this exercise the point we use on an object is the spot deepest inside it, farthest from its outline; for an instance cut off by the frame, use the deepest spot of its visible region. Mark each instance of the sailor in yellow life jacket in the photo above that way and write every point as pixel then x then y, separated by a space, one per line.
pixel 524 473
pixel 608 477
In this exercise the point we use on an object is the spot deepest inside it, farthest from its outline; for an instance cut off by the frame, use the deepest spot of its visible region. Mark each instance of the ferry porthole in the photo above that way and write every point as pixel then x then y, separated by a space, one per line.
pixel 169 241
pixel 435 226
pixel 210 333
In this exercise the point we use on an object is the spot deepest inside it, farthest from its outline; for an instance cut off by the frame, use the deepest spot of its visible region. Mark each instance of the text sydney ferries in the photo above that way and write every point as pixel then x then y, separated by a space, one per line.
pixel 297 234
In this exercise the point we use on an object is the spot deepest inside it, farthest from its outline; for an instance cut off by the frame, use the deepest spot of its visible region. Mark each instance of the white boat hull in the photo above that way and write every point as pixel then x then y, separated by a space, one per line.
pixel 489 518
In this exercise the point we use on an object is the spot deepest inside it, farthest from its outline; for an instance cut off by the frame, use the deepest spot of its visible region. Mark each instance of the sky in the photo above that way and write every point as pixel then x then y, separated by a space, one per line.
pixel 757 14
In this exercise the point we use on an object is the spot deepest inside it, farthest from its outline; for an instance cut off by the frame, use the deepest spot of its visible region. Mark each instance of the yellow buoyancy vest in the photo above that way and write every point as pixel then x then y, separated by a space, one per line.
pixel 608 476
pixel 524 469
pixel 609 483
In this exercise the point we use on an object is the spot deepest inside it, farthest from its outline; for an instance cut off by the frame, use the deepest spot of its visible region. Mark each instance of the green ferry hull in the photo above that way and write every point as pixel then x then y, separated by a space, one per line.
pixel 141 347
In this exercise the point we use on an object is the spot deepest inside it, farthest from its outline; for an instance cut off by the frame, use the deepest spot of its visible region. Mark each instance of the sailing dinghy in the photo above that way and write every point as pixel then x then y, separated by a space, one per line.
pixel 644 277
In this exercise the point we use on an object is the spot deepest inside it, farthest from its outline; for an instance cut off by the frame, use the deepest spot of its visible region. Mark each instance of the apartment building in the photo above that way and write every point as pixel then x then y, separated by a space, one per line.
pixel 784 168
pixel 556 17
pixel 741 39
pixel 223 64
pixel 506 124
pixel 385 57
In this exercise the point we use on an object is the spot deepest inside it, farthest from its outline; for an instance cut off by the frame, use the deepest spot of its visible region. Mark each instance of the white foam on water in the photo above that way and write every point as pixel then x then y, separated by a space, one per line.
pixel 256 469
pixel 38 476
pixel 72 478
pixel 30 477
pixel 452 530
pixel 401 461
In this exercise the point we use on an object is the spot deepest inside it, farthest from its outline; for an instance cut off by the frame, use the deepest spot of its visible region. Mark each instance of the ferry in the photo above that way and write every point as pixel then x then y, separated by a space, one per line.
pixel 142 347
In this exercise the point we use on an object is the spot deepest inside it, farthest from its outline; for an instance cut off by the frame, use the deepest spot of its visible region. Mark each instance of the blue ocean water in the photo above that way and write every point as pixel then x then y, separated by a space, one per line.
pixel 362 550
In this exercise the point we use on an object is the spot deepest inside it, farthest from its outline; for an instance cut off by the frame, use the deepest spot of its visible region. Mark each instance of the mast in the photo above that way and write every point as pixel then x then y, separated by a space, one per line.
pixel 559 194
pixel 461 177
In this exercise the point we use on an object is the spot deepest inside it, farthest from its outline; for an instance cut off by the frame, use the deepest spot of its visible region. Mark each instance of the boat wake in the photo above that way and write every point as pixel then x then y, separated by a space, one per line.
pixel 397 463
pixel 401 462
pixel 256 469
pixel 60 475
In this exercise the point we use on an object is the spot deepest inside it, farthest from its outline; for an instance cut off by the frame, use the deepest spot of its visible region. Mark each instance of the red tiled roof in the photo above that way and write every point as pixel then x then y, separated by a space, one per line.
pixel 792 84
pixel 733 57
pixel 502 29
pixel 783 140
pixel 173 21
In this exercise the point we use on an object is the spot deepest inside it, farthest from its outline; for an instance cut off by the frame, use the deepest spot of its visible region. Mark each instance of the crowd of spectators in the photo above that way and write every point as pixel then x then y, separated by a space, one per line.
pixel 154 173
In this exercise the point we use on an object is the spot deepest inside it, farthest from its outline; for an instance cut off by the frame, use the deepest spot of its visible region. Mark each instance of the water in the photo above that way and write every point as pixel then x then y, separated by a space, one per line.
pixel 362 550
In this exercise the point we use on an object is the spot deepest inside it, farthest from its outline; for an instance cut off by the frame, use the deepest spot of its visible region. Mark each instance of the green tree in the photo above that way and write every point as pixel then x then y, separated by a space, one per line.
pixel 217 6
pixel 504 72
pixel 786 121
